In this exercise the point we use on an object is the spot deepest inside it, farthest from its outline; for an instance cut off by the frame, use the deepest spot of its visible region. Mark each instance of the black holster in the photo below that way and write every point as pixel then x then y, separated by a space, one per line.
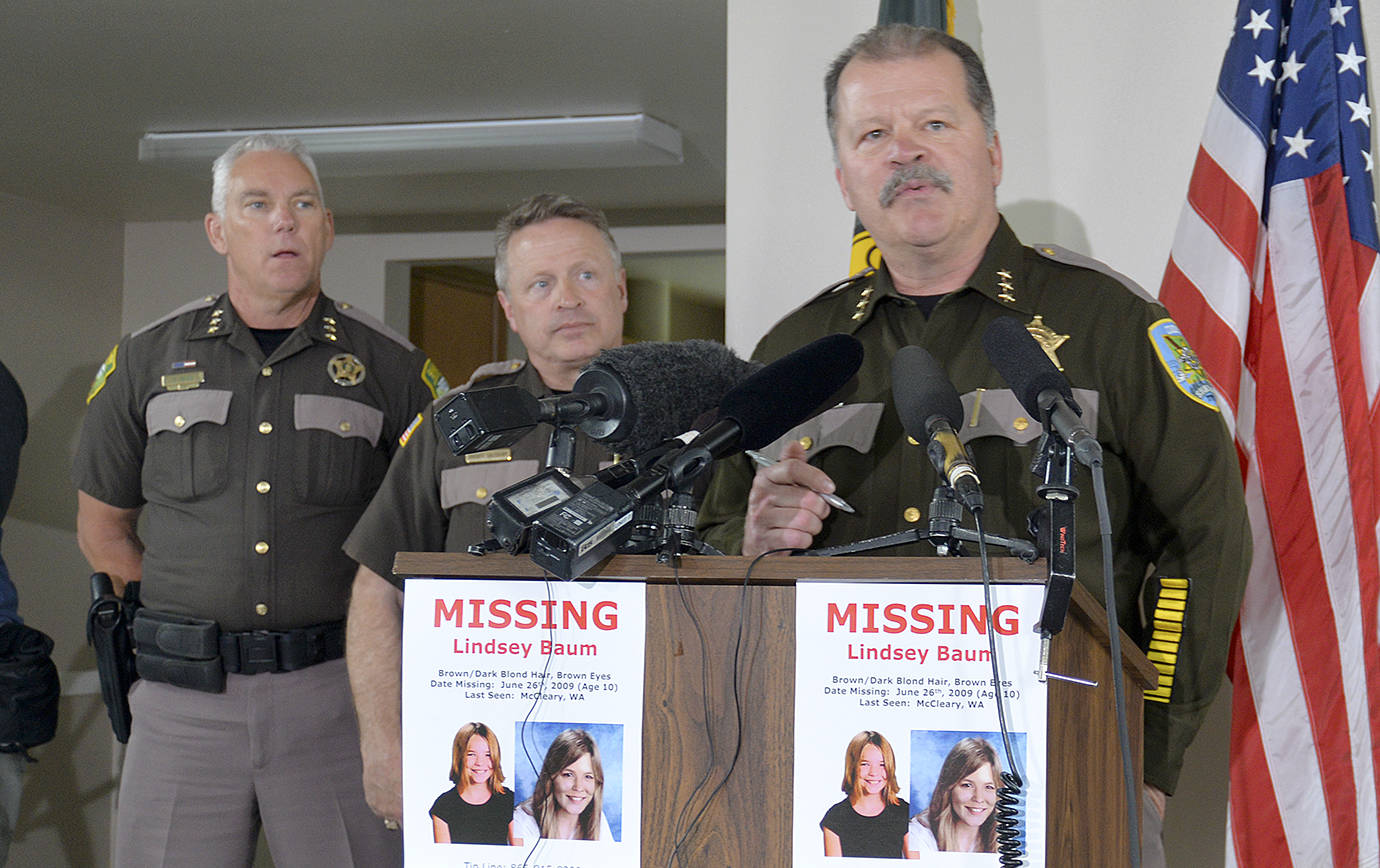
pixel 109 629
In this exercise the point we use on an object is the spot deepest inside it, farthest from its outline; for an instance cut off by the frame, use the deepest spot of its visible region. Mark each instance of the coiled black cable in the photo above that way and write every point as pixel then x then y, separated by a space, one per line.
pixel 1009 809
pixel 1010 848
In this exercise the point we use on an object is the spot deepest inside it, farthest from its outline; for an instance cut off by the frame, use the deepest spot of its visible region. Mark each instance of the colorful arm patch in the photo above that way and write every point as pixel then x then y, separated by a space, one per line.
pixel 102 374
pixel 1182 363
pixel 434 379
pixel 407 435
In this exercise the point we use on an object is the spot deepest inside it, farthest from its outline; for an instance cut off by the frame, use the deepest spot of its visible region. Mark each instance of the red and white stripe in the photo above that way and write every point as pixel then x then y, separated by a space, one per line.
pixel 1287 324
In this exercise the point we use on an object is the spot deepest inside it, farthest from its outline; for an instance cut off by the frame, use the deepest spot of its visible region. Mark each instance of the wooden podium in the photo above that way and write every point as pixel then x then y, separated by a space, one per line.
pixel 748 824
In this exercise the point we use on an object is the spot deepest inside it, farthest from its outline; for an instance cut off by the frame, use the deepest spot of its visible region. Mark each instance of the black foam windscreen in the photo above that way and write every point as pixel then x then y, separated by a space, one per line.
pixel 791 389
pixel 669 385
pixel 921 390
pixel 1023 364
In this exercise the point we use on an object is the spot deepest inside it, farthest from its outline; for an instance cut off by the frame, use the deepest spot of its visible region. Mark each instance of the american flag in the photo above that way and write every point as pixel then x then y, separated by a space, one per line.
pixel 1272 277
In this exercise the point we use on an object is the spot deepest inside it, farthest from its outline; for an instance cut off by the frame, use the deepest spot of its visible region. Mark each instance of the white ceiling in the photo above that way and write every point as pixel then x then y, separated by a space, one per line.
pixel 83 81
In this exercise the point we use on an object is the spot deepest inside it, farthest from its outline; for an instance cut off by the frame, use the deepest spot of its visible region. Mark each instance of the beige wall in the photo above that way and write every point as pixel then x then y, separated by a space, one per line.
pixel 60 296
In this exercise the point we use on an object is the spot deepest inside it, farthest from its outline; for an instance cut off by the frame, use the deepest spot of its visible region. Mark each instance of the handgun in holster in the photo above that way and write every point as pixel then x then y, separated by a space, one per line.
pixel 109 629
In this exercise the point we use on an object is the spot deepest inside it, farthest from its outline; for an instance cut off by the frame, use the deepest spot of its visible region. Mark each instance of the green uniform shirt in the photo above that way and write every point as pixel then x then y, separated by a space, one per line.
pixel 1173 481
pixel 433 500
pixel 250 470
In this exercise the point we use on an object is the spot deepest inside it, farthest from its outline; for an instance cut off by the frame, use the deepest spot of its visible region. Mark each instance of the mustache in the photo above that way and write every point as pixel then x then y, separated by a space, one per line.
pixel 911 173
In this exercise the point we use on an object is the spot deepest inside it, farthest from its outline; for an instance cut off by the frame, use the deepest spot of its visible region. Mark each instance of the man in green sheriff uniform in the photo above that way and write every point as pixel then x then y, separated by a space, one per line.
pixel 564 291
pixel 248 431
pixel 918 158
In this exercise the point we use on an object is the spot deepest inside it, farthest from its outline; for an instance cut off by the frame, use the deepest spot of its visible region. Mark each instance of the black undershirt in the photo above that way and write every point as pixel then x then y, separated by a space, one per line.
pixel 271 339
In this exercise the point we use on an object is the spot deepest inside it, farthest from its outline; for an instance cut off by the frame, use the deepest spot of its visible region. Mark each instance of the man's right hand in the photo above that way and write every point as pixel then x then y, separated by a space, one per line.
pixel 783 509
pixel 383 780
pixel 373 651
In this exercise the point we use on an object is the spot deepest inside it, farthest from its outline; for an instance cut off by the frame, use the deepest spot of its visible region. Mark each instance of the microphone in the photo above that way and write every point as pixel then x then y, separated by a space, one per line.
pixel 665 386
pixel 774 400
pixel 931 412
pixel 573 537
pixel 633 397
pixel 1042 390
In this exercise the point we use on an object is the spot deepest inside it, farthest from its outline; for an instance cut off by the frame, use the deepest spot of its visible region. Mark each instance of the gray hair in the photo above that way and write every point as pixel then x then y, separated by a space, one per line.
pixel 903 42
pixel 220 169
pixel 539 209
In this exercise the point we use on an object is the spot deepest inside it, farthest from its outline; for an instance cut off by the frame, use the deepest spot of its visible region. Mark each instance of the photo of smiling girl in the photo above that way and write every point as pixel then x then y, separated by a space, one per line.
pixel 961 816
pixel 872 820
pixel 478 809
pixel 567 801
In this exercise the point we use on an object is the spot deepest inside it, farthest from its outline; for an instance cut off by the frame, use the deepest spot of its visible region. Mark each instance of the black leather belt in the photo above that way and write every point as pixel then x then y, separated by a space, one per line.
pixel 195 653
pixel 258 651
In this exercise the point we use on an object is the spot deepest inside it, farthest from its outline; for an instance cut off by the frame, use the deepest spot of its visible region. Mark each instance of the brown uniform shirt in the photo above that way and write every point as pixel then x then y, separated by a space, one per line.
pixel 435 501
pixel 250 470
pixel 1173 481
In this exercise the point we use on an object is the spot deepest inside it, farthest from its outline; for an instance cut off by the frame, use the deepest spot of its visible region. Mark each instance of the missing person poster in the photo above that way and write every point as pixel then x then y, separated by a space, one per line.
pixel 522 723
pixel 898 750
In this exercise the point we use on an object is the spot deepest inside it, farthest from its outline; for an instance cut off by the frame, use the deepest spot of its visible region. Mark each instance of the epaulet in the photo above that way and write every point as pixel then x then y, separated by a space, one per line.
pixel 367 320
pixel 492 369
pixel 204 301
pixel 1067 257
pixel 841 285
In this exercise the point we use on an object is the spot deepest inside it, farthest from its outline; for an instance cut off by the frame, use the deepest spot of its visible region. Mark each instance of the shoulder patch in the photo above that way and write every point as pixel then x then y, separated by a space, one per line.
pixel 493 369
pixel 204 301
pixel 1182 363
pixel 434 379
pixel 407 435
pixel 102 374
pixel 1065 256
pixel 370 322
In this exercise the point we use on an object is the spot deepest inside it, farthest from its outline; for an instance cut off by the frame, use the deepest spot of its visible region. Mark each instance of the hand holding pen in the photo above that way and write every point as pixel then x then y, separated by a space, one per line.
pixel 832 499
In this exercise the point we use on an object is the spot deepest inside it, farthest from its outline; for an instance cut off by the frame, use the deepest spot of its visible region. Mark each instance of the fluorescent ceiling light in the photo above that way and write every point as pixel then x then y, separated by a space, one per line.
pixel 595 142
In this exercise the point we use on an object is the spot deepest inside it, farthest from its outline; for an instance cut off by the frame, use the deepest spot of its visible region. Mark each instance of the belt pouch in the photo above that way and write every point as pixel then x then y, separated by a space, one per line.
pixel 179 650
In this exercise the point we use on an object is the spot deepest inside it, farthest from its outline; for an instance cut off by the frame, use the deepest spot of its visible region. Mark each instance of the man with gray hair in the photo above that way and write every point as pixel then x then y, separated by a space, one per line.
pixel 249 430
pixel 563 289
pixel 918 158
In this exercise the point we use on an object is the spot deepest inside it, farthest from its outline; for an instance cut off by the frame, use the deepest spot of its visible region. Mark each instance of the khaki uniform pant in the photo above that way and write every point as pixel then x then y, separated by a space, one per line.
pixel 204 770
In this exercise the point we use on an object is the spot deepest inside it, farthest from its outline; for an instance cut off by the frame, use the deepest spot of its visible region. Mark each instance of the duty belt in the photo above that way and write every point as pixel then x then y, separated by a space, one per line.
pixel 196 653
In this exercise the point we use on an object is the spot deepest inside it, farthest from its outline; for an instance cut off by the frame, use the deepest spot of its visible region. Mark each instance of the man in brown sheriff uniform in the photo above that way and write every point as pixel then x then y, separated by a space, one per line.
pixel 250 431
pixel 563 289
pixel 918 158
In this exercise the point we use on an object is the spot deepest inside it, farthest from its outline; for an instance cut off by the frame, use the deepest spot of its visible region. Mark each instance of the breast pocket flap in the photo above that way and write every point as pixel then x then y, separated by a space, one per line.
pixel 179 411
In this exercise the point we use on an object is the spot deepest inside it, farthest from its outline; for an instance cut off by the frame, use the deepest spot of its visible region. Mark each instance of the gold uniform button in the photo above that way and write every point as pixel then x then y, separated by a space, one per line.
pixel 912 441
pixel 912 514
pixel 263 487
pixel 345 426
pixel 807 442
pixel 261 609
pixel 179 421
pixel 261 547
pixel 1020 423
pixel 481 493
pixel 265 427
pixel 331 337
pixel 267 371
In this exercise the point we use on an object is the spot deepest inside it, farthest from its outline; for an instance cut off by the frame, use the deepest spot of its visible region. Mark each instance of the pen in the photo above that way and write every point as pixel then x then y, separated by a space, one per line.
pixel 832 499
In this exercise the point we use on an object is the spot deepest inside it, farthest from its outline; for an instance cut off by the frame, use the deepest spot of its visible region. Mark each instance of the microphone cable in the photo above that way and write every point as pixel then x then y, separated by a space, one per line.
pixel 737 705
pixel 531 709
pixel 1008 808
pixel 677 836
pixel 1123 732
